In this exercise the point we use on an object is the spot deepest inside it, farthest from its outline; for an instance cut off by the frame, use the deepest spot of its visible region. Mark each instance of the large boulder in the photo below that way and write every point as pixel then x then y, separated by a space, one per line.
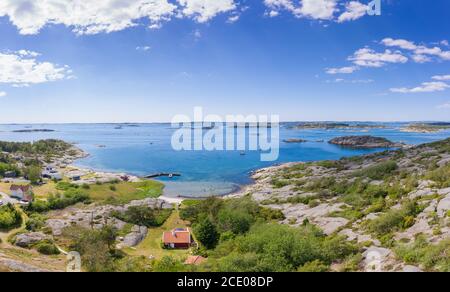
pixel 57 225
pixel 443 206
pixel 377 259
pixel 137 235
pixel 26 240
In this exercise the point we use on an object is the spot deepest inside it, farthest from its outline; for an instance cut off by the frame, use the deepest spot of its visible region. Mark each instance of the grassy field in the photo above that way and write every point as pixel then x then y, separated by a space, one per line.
pixel 40 192
pixel 151 246
pixel 113 193
pixel 125 192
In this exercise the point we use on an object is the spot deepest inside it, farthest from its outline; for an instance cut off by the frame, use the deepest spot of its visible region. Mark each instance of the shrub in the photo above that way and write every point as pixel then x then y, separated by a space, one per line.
pixel 58 202
pixel 144 216
pixel 314 267
pixel 278 183
pixel 10 217
pixel 395 219
pixel 279 248
pixel 434 257
pixel 47 248
pixel 35 222
pixel 378 171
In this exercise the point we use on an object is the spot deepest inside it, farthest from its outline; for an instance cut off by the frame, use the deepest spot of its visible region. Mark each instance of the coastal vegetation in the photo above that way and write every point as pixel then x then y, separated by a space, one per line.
pixel 144 216
pixel 10 217
pixel 332 214
pixel 42 147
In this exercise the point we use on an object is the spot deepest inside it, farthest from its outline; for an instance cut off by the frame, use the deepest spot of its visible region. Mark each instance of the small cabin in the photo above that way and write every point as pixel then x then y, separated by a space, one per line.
pixel 23 193
pixel 180 238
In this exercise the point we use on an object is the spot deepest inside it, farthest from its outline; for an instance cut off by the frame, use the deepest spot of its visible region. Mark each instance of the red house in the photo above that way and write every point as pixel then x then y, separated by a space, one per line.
pixel 178 238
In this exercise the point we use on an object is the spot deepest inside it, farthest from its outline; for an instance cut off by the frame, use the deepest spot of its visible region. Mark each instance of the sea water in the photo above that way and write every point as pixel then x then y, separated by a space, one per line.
pixel 144 149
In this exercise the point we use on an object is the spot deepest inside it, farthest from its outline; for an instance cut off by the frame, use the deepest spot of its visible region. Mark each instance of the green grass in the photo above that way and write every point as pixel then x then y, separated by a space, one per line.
pixel 151 246
pixel 124 192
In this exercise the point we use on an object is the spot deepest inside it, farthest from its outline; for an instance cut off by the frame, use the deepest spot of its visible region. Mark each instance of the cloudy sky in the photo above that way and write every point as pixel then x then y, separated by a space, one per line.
pixel 147 60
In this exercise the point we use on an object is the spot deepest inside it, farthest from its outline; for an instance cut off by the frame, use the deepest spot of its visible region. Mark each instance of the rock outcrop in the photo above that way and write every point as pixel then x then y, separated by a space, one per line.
pixel 364 142
pixel 26 240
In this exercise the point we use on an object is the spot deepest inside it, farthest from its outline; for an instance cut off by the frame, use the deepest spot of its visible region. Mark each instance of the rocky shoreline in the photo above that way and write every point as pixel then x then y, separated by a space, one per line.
pixel 304 192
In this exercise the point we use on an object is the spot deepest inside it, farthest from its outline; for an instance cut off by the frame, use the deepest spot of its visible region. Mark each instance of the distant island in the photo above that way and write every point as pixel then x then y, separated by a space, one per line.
pixel 328 126
pixel 33 131
pixel 291 141
pixel 364 142
pixel 426 127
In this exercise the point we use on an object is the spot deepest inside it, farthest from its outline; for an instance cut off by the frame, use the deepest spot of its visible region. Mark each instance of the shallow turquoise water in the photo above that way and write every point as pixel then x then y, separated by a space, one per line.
pixel 146 148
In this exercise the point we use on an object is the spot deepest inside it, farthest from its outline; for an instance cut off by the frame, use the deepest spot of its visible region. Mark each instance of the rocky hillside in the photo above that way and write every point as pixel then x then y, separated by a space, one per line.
pixel 395 204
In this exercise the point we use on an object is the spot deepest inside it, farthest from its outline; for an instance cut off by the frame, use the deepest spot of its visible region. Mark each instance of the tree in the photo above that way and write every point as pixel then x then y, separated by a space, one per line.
pixel 95 246
pixel 206 232
pixel 33 173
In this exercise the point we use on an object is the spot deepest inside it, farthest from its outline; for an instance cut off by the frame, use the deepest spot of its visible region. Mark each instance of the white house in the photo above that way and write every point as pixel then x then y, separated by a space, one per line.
pixel 24 193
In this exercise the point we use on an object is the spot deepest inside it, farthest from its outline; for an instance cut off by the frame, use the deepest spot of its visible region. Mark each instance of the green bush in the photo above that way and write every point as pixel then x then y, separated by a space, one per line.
pixel 395 219
pixel 280 248
pixel 144 216
pixel 378 171
pixel 58 202
pixel 47 248
pixel 314 267
pixel 433 257
pixel 10 217
pixel 35 222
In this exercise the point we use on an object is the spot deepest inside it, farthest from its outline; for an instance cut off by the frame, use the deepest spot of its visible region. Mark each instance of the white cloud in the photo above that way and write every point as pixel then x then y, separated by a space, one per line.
pixel 204 10
pixel 105 16
pixel 343 70
pixel 403 44
pixel 441 77
pixel 424 87
pixel 143 48
pixel 315 9
pixel 273 13
pixel 420 52
pixel 445 43
pixel 369 58
pixel 355 81
pixel 444 106
pixel 21 70
pixel 353 11
pixel 421 59
pixel 233 18
pixel 319 9
pixel 2 94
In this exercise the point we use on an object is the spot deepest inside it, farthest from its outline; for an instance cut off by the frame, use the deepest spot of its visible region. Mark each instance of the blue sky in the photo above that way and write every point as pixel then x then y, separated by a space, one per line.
pixel 285 57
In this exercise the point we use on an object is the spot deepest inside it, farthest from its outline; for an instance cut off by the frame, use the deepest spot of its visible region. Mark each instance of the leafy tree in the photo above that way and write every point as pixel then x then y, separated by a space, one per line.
pixel 95 246
pixel 10 217
pixel 206 233
pixel 33 173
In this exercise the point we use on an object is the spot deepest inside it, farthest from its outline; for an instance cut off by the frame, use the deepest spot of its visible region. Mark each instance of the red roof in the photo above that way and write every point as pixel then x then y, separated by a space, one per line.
pixel 177 236
pixel 22 188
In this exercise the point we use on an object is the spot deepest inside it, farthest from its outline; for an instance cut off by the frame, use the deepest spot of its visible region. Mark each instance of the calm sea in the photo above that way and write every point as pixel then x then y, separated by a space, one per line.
pixel 143 149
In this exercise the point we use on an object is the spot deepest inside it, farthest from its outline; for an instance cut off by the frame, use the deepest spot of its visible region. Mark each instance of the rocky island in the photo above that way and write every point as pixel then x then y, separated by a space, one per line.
pixel 426 127
pixel 366 142
pixel 293 141
pixel 33 131
pixel 330 126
